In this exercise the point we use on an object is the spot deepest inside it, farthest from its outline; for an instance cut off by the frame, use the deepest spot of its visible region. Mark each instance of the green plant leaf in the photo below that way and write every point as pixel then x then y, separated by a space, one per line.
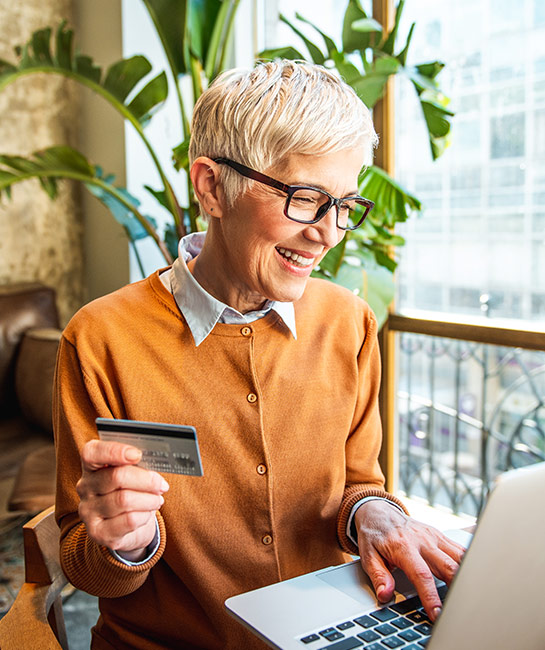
pixel 170 19
pixel 159 195
pixel 314 51
pixel 201 18
pixel 149 99
pixel 40 46
pixel 119 82
pixel 352 39
pixel 329 42
pixel 55 163
pixel 180 155
pixel 366 25
pixel 331 263
pixel 393 203
pixel 370 88
pixel 171 240
pixel 220 39
pixel 389 43
pixel 434 104
pixel 280 53
pixel 430 70
pixel 123 76
pixel 347 70
pixel 63 46
pixel 402 56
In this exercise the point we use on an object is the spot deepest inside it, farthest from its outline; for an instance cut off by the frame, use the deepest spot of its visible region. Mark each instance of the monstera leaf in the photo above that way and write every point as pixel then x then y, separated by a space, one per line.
pixel 55 163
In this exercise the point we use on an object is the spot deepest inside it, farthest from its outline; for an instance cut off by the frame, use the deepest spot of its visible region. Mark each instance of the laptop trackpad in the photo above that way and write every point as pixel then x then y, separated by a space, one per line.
pixel 352 580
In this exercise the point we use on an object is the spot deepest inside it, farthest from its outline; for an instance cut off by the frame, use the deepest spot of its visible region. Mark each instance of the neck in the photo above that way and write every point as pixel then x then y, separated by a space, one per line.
pixel 213 270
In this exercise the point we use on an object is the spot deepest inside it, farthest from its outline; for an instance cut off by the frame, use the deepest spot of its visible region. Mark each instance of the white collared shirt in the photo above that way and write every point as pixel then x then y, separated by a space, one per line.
pixel 199 308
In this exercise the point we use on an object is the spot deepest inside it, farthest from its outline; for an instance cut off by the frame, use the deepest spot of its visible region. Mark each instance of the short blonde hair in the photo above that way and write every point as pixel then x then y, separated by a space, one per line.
pixel 259 116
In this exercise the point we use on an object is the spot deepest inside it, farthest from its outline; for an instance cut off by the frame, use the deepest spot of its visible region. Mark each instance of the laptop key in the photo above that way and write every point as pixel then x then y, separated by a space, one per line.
pixel 410 635
pixel 384 614
pixel 424 628
pixel 345 644
pixel 365 621
pixel 377 646
pixel 385 629
pixel 310 638
pixel 369 635
pixel 418 617
pixel 345 626
pixel 424 642
pixel 408 605
pixel 393 642
pixel 332 634
pixel 413 646
pixel 401 623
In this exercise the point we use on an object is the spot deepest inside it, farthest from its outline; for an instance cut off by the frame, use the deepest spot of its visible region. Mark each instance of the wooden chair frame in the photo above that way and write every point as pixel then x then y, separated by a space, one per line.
pixel 35 620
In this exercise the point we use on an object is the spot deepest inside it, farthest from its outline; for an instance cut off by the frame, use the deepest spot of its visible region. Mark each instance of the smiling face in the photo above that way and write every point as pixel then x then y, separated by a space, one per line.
pixel 253 252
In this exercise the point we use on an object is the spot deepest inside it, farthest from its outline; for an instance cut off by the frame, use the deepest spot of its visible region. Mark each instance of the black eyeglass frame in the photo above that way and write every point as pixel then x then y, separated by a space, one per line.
pixel 291 189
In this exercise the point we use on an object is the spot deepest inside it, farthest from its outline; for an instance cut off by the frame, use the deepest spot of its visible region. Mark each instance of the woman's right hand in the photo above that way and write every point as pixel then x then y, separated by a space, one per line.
pixel 118 500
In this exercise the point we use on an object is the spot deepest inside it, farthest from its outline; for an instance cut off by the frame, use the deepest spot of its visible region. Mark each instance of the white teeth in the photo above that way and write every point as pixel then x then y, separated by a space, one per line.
pixel 295 257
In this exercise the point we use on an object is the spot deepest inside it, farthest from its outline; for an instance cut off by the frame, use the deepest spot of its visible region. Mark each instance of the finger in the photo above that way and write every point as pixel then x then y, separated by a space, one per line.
pixel 125 477
pixel 419 573
pixel 452 548
pixel 100 453
pixel 441 564
pixel 383 582
pixel 125 532
pixel 119 502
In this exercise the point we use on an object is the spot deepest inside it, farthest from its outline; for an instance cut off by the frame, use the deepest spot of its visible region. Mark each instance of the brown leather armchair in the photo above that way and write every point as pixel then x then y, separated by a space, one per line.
pixel 29 337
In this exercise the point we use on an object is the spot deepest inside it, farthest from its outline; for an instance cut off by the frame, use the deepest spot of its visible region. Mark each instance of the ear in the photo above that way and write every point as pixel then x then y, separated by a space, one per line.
pixel 208 189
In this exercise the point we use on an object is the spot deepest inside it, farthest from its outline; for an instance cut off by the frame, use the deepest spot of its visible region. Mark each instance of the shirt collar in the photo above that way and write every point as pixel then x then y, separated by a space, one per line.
pixel 200 309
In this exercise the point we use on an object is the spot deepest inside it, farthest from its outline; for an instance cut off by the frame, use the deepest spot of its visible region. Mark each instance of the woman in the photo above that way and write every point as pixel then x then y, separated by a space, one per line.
pixel 278 373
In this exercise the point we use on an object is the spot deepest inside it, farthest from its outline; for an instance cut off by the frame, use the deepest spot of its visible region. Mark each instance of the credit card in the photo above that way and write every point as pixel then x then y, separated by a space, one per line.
pixel 170 448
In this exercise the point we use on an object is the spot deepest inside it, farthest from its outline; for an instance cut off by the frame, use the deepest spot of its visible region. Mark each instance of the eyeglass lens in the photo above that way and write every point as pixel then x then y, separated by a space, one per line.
pixel 307 205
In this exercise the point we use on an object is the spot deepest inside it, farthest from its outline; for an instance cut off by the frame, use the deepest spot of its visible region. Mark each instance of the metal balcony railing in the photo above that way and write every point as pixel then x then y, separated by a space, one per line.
pixel 469 404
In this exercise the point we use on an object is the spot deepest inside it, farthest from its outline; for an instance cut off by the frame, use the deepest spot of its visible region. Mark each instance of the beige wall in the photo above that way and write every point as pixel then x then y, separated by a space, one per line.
pixel 72 243
pixel 39 239
pixel 101 137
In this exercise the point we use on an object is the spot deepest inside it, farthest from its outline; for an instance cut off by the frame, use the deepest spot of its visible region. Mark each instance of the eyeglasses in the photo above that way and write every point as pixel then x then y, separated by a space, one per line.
pixel 306 204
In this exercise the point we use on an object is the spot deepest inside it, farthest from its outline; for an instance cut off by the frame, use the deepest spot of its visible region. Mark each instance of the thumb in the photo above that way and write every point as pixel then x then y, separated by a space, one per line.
pixel 383 582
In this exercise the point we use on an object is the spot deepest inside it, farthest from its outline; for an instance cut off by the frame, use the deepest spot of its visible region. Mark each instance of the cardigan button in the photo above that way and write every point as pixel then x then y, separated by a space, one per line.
pixel 266 539
pixel 261 469
pixel 252 397
pixel 246 331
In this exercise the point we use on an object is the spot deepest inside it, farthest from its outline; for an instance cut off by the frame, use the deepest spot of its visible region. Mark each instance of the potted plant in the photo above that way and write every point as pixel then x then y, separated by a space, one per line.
pixel 196 36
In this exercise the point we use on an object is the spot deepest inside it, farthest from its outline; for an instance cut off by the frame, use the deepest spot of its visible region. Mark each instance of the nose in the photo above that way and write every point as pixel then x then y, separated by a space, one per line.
pixel 325 232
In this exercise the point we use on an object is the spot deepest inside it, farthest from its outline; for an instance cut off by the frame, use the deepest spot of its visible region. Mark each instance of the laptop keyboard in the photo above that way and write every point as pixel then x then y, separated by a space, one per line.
pixel 403 625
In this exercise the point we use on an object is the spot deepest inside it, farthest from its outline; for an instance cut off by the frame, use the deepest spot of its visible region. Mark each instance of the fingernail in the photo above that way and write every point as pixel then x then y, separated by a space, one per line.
pixel 133 454
pixel 435 612
pixel 380 590
pixel 164 485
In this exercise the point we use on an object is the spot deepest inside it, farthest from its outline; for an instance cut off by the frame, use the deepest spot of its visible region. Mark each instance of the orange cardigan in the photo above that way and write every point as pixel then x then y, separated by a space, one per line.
pixel 281 472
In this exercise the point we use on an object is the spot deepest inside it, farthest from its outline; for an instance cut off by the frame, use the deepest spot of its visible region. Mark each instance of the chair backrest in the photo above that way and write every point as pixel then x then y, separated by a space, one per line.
pixel 35 619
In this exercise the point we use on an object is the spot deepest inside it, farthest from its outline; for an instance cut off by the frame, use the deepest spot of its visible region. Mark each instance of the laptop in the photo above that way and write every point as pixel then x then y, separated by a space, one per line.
pixel 495 601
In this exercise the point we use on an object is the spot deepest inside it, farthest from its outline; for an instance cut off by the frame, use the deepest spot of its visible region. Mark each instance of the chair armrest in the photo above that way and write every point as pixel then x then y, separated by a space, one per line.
pixel 26 621
pixel 35 368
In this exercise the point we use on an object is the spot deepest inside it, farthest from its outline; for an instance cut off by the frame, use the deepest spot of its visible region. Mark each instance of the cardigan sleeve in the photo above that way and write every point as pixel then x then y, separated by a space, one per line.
pixel 363 474
pixel 77 402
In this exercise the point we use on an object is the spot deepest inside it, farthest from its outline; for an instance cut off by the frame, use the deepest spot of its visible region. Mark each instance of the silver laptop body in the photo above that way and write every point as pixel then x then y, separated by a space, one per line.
pixel 495 601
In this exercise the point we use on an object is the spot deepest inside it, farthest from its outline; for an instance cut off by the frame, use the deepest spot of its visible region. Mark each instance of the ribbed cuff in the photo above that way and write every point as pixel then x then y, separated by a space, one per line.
pixel 92 568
